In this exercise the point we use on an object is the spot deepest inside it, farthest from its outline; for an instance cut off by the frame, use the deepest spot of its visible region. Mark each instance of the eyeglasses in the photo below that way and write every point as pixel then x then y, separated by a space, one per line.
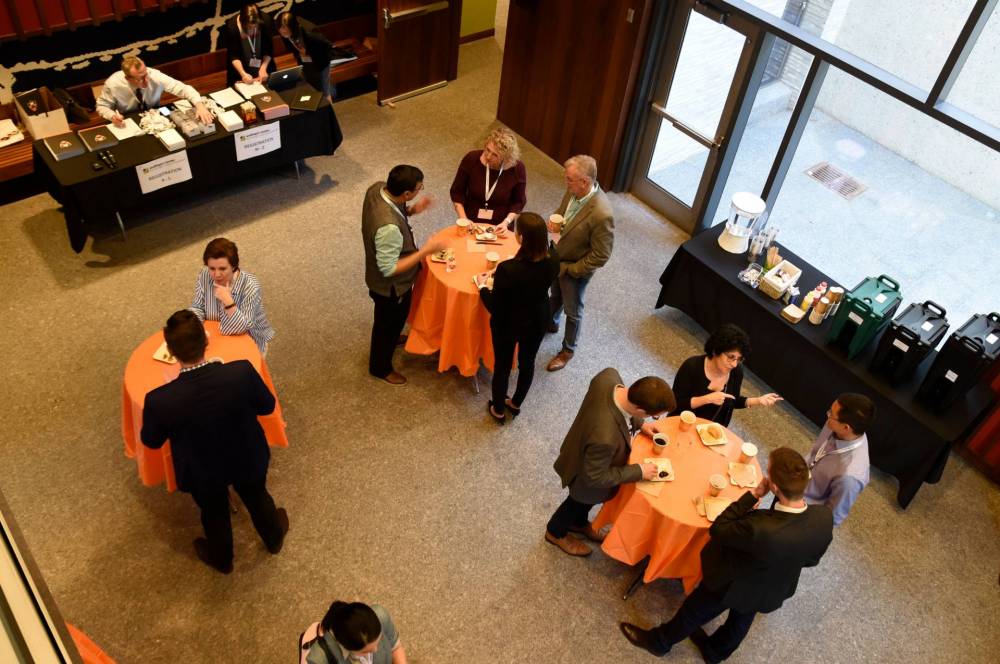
pixel 734 357
pixel 829 415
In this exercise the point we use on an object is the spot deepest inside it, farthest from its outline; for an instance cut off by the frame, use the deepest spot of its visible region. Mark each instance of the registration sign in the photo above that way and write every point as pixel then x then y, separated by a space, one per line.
pixel 163 172
pixel 254 142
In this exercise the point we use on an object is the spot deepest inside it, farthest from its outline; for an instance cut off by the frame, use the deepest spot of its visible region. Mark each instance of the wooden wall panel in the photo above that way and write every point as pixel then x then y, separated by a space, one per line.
pixel 569 73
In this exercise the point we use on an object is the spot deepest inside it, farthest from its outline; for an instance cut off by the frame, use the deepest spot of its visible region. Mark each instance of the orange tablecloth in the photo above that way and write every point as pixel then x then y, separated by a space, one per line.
pixel 143 374
pixel 668 528
pixel 447 314
pixel 90 652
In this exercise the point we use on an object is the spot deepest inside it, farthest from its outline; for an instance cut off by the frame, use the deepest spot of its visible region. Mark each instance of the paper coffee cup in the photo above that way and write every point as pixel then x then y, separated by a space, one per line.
pixel 747 452
pixel 492 258
pixel 660 442
pixel 687 420
pixel 556 220
pixel 716 484
pixel 462 225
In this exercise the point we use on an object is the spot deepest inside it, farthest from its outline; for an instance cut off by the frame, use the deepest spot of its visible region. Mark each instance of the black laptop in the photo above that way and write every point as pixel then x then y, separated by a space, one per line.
pixel 303 97
pixel 285 79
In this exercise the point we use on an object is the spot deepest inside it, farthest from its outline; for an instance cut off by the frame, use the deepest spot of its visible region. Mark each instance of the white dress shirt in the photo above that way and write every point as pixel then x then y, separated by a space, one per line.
pixel 119 96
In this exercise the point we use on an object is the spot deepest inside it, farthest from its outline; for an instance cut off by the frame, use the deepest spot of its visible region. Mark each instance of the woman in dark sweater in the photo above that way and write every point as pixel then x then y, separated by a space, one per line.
pixel 249 43
pixel 489 185
pixel 519 312
pixel 710 384
pixel 311 49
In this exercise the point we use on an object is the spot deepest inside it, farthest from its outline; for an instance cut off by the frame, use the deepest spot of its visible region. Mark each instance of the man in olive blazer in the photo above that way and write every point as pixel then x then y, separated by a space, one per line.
pixel 593 459
pixel 585 243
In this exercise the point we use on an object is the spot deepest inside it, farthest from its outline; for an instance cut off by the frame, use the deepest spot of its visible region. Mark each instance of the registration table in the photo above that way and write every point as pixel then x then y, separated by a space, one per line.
pixel 144 374
pixel 906 439
pixel 92 198
pixel 667 527
pixel 447 315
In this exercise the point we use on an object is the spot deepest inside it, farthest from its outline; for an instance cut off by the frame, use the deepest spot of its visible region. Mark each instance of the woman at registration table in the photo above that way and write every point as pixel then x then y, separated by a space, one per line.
pixel 229 295
pixel 352 633
pixel 519 312
pixel 489 185
pixel 710 384
pixel 311 49
pixel 249 41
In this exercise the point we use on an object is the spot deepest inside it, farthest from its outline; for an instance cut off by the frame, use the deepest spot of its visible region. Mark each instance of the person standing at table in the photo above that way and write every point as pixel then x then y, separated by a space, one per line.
pixel 838 460
pixel 392 261
pixel 750 565
pixel 519 309
pixel 249 41
pixel 353 633
pixel 209 414
pixel 489 185
pixel 225 293
pixel 311 49
pixel 137 87
pixel 586 239
pixel 593 459
pixel 710 384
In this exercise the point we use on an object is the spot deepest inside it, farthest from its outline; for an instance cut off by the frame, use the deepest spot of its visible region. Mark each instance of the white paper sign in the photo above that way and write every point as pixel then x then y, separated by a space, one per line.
pixel 163 172
pixel 257 141
pixel 900 345
pixel 856 318
pixel 928 326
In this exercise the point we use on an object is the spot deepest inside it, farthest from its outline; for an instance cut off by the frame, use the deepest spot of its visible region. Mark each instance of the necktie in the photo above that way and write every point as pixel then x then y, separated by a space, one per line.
pixel 142 102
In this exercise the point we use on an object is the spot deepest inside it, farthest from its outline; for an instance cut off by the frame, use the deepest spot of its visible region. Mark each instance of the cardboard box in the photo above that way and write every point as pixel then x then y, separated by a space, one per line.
pixel 41 113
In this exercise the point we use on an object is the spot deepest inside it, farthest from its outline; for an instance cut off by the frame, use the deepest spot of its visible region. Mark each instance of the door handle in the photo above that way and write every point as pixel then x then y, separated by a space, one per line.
pixel 685 129
pixel 423 10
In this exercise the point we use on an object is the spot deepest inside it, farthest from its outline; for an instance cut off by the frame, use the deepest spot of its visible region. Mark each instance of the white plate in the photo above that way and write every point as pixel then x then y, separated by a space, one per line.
pixel 662 465
pixel 163 355
pixel 743 475
pixel 708 440
pixel 715 505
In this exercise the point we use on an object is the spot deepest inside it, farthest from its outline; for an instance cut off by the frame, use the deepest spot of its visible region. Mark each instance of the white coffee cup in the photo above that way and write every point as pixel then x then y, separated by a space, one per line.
pixel 687 420
pixel 462 225
pixel 716 484
pixel 556 222
pixel 660 442
pixel 747 452
pixel 492 258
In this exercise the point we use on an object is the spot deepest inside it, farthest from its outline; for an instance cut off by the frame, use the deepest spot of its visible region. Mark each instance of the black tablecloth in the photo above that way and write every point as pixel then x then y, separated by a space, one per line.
pixel 90 198
pixel 906 440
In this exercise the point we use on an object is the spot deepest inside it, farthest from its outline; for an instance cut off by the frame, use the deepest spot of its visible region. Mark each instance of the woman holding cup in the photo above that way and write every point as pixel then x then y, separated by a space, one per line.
pixel 489 187
pixel 519 312
pixel 709 384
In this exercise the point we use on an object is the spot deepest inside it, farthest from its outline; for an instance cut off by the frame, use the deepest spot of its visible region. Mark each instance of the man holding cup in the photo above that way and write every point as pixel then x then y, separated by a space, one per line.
pixel 750 565
pixel 593 459
pixel 585 224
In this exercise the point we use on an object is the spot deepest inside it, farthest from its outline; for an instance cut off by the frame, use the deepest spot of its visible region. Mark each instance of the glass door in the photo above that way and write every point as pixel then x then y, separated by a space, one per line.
pixel 706 55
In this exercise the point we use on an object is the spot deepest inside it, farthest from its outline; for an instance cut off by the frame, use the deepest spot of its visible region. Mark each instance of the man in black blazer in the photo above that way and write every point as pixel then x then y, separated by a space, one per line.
pixel 209 414
pixel 751 564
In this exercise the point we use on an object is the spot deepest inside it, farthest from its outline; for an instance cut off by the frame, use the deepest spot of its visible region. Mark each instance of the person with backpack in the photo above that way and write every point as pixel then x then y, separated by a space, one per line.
pixel 352 633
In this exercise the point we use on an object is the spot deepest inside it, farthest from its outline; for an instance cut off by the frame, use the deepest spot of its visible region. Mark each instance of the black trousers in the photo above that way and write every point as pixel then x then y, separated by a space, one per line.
pixel 390 317
pixel 570 513
pixel 214 504
pixel 701 606
pixel 527 341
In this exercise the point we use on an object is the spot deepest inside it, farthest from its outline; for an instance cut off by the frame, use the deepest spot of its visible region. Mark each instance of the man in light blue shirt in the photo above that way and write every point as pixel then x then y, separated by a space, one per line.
pixel 838 460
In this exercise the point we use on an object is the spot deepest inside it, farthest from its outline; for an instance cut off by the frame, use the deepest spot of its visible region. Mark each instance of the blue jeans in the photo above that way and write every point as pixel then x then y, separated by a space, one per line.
pixel 567 293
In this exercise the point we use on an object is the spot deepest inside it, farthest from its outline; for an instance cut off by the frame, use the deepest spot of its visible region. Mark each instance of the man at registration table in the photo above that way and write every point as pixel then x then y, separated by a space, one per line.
pixel 209 414
pixel 838 459
pixel 585 242
pixel 138 88
pixel 392 261
pixel 750 565
pixel 593 459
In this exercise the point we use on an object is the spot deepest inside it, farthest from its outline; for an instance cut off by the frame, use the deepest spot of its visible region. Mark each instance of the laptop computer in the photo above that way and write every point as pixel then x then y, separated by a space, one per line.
pixel 285 79
pixel 303 97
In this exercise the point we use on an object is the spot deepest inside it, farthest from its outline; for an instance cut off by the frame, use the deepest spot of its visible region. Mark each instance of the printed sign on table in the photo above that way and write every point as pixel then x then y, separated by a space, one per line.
pixel 254 142
pixel 163 172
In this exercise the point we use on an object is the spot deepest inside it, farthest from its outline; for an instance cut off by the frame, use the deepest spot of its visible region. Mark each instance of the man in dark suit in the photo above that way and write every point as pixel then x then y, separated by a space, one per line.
pixel 593 459
pixel 751 564
pixel 209 414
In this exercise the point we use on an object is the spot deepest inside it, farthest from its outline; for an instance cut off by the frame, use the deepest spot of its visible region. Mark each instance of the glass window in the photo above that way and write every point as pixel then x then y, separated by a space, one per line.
pixel 975 90
pixel 927 213
pixel 678 163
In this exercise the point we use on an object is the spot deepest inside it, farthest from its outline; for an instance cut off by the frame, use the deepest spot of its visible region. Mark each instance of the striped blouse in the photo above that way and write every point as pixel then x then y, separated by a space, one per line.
pixel 248 315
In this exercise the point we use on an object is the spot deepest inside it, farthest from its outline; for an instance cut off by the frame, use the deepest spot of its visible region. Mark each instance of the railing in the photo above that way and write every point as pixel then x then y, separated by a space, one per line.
pixel 20 19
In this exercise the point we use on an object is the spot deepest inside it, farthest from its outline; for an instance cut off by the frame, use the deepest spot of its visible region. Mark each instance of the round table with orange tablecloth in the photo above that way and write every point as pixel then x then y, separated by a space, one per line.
pixel 144 374
pixel 447 314
pixel 90 652
pixel 668 528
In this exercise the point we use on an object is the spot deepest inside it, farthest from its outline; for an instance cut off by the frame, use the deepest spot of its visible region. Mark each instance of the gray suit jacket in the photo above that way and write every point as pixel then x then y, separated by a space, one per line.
pixel 593 459
pixel 587 240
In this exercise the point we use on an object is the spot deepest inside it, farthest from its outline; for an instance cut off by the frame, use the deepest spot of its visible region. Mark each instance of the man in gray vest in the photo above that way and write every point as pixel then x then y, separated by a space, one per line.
pixel 392 261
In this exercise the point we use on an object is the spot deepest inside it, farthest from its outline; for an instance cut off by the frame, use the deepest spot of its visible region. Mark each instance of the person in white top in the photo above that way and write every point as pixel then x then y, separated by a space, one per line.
pixel 138 87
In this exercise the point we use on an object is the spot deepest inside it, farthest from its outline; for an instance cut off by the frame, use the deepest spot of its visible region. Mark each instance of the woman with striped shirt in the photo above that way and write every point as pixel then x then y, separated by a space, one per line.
pixel 229 295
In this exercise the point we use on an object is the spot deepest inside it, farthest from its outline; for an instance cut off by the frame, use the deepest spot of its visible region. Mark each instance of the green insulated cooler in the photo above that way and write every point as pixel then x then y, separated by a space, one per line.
pixel 864 313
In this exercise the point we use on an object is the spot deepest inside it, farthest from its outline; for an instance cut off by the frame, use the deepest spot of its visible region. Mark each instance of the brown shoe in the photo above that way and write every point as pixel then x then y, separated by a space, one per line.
pixel 395 378
pixel 589 532
pixel 560 360
pixel 570 545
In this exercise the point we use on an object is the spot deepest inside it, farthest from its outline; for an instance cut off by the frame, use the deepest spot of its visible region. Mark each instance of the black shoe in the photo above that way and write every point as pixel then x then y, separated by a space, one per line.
pixel 499 419
pixel 201 550
pixel 552 328
pixel 514 410
pixel 700 640
pixel 283 524
pixel 641 638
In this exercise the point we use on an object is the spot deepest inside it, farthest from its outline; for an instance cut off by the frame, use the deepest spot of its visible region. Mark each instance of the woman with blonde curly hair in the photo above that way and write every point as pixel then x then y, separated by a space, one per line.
pixel 489 185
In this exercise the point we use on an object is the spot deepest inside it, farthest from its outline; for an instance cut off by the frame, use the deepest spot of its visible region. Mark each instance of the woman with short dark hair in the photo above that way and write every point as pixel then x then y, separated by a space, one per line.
pixel 519 312
pixel 249 41
pixel 353 633
pixel 229 295
pixel 710 384
pixel 311 49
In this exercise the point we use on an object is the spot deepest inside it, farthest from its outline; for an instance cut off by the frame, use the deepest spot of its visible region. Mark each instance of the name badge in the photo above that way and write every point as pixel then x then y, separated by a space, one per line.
pixel 306 58
pixel 485 214
pixel 255 63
